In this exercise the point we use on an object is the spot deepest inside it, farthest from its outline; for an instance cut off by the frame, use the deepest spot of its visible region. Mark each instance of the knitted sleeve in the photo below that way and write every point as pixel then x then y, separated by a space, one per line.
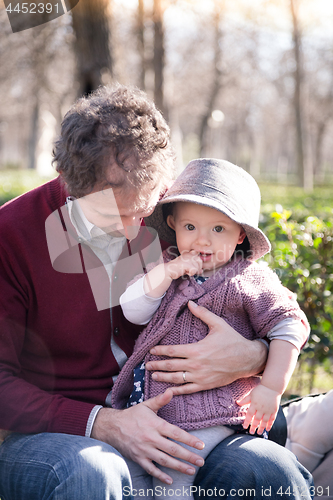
pixel 24 407
pixel 266 301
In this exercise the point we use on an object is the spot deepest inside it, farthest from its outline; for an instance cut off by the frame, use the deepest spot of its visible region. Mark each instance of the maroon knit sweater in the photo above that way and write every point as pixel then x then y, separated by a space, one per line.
pixel 55 357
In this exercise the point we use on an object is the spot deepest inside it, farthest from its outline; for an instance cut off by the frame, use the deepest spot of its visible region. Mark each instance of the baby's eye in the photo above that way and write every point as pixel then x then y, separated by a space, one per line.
pixel 218 229
pixel 189 227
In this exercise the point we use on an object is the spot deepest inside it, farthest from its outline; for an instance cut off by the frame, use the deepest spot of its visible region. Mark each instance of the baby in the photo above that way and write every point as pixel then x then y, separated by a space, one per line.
pixel 212 211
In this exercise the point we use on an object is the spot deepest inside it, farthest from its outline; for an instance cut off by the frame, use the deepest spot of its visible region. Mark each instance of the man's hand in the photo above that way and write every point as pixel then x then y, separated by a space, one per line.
pixel 139 434
pixel 217 360
pixel 264 404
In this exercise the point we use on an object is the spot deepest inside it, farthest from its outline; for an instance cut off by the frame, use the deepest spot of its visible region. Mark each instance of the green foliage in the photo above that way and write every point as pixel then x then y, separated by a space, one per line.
pixel 318 203
pixel 15 182
pixel 302 257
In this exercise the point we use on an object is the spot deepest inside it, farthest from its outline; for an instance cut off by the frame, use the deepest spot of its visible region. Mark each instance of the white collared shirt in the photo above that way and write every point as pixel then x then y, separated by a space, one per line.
pixel 108 249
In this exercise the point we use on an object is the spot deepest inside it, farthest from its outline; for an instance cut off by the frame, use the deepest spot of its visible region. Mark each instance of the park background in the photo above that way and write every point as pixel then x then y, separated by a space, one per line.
pixel 250 81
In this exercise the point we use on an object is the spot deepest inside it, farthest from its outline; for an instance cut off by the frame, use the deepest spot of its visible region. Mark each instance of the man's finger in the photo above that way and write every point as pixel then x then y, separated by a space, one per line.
pixel 154 471
pixel 206 316
pixel 172 351
pixel 186 389
pixel 159 401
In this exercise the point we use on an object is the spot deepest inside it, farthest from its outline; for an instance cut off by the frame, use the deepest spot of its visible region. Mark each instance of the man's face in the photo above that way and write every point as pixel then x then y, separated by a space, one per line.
pixel 118 212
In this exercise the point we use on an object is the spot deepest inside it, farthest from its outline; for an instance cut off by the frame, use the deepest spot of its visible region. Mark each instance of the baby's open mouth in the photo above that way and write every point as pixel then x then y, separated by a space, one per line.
pixel 205 256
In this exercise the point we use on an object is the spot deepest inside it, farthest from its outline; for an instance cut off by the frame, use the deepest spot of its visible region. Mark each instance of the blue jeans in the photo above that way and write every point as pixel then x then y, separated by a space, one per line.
pixel 60 467
pixel 243 466
pixel 63 467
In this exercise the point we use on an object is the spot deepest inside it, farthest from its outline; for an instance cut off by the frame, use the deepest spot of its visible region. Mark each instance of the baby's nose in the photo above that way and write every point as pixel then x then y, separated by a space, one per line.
pixel 203 239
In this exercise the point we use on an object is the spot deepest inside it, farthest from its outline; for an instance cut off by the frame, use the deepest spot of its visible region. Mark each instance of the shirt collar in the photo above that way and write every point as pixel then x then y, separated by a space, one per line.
pixel 84 228
pixel 80 222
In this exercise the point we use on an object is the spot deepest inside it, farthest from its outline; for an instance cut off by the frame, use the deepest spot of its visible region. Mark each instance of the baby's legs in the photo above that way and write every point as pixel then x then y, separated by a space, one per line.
pixel 181 486
pixel 141 480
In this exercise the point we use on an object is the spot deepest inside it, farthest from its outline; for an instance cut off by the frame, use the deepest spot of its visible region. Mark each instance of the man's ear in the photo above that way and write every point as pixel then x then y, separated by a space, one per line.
pixel 171 221
pixel 242 236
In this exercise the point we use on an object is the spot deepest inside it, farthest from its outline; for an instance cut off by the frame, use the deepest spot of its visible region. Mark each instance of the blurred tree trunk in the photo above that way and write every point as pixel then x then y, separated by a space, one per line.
pixel 305 176
pixel 38 48
pixel 217 78
pixel 325 116
pixel 159 55
pixel 33 136
pixel 321 129
pixel 141 43
pixel 92 45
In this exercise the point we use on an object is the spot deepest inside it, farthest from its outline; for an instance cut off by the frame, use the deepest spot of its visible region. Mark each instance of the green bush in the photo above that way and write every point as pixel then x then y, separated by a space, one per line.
pixel 15 182
pixel 303 259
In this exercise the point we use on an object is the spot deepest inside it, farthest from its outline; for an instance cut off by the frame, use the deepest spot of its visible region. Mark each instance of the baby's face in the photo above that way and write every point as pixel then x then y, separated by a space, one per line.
pixel 207 231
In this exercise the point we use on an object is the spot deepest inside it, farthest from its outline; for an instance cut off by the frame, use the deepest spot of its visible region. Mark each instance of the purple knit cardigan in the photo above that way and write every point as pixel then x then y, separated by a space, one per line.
pixel 246 295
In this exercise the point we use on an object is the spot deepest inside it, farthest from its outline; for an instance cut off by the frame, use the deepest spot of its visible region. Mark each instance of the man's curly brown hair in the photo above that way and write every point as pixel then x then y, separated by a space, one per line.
pixel 116 126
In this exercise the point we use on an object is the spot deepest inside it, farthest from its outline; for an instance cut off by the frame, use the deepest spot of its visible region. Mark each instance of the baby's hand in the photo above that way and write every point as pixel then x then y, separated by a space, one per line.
pixel 264 405
pixel 187 263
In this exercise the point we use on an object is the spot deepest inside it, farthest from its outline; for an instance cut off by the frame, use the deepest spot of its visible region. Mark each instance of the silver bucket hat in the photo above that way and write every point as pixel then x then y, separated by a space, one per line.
pixel 221 185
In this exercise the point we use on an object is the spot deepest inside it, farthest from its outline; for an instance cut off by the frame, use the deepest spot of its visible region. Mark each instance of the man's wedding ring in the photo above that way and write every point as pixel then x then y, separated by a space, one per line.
pixel 184 377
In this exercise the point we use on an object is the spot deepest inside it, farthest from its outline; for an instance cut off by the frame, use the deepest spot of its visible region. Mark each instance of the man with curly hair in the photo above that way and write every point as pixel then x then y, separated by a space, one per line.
pixel 67 251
